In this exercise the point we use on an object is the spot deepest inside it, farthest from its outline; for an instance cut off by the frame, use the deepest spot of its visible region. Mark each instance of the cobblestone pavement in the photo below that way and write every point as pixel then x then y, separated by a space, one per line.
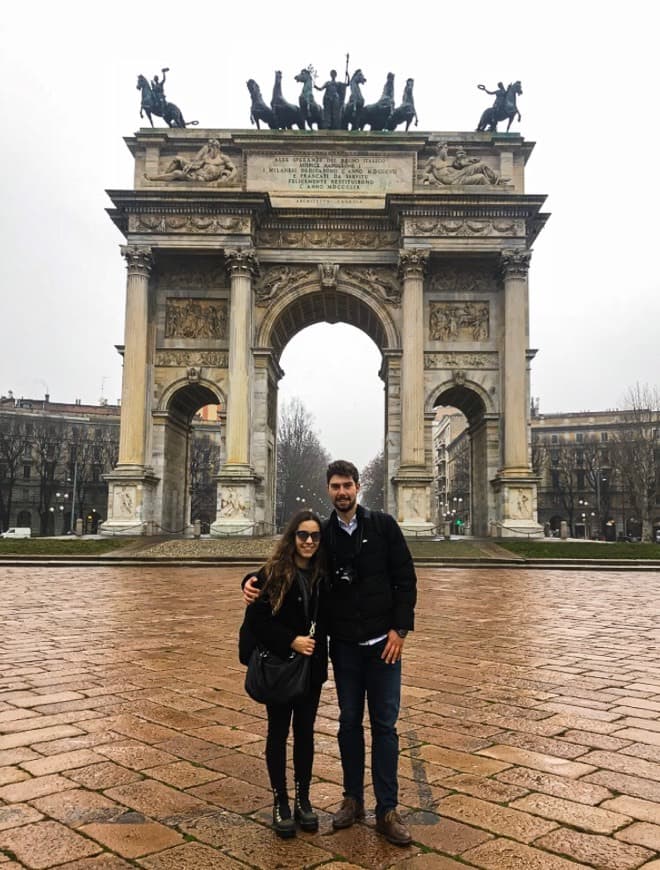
pixel 530 727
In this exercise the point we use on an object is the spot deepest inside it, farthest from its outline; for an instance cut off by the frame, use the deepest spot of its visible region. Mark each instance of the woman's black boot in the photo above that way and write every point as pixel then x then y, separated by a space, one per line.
pixel 283 824
pixel 303 812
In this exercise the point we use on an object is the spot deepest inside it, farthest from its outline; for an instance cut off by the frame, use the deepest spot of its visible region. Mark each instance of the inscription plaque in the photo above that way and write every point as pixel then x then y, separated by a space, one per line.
pixel 327 178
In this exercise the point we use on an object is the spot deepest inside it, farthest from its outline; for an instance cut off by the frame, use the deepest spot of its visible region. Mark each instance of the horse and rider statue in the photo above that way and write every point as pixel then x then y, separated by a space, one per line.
pixel 502 109
pixel 153 102
pixel 335 113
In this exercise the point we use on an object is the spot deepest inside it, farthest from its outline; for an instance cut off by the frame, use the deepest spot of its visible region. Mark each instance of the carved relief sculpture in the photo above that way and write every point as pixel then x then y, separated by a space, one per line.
pixel 195 318
pixel 278 279
pixel 328 275
pixel 465 228
pixel 187 359
pixel 322 238
pixel 182 223
pixel 459 321
pixel 460 360
pixel 233 504
pixel 380 280
pixel 441 170
pixel 520 507
pixel 208 166
pixel 123 503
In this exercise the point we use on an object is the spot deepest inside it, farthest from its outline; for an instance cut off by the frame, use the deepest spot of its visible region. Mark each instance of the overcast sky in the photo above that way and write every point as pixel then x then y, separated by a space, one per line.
pixel 589 77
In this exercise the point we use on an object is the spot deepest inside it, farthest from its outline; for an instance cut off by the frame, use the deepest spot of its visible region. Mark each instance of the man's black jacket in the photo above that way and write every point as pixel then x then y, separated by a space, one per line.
pixel 383 591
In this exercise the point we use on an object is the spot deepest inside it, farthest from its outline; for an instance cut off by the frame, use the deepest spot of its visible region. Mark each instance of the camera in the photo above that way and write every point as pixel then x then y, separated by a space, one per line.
pixel 345 574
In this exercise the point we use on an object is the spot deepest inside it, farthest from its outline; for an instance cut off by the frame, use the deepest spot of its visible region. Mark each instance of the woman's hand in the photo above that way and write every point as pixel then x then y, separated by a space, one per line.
pixel 250 591
pixel 303 644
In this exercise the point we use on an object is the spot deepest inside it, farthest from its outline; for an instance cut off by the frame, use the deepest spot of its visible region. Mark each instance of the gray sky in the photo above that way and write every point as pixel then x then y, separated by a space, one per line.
pixel 68 73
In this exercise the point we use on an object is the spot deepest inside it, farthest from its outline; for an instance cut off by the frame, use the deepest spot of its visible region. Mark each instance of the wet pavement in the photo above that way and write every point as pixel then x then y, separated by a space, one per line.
pixel 530 727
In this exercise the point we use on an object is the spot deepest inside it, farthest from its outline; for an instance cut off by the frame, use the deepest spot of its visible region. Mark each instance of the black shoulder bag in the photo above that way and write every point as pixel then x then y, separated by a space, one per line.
pixel 273 680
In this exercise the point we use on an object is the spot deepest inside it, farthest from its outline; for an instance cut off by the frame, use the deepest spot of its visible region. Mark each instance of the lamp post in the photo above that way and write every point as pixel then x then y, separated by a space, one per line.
pixel 584 504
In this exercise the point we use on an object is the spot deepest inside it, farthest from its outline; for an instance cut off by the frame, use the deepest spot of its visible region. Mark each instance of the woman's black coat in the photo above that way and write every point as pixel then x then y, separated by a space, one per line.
pixel 277 631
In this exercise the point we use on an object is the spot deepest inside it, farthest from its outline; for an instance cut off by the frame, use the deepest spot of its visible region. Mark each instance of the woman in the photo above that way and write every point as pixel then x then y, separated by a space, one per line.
pixel 278 622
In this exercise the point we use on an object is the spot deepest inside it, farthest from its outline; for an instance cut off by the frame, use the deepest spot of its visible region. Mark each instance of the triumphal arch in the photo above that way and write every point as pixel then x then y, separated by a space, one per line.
pixel 238 239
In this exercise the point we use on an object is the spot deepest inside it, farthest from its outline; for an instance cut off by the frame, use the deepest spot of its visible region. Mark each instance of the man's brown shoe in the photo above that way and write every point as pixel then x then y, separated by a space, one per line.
pixel 392 827
pixel 349 812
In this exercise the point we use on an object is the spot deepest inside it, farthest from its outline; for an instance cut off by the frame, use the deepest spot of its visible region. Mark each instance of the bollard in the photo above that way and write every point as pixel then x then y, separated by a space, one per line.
pixel 78 528
pixel 197 529
pixel 563 530
pixel 446 531
pixel 149 530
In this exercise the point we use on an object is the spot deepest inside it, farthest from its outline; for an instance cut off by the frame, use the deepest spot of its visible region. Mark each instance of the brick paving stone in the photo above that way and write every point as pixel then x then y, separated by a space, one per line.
pixel 155 799
pixel 444 835
pixel 245 767
pixel 641 833
pixel 140 729
pixel 33 699
pixel 640 734
pixel 102 862
pixel 62 761
pixel 625 763
pixel 576 790
pixel 13 714
pixel 543 745
pixel 652 865
pixel 78 807
pixel 646 811
pixel 33 788
pixel 37 735
pixel 588 818
pixel 191 856
pixel 15 815
pixel 72 744
pixel 461 761
pixel 494 818
pixel 44 844
pixel 597 741
pixel 595 850
pixel 139 756
pixel 417 794
pixel 133 840
pixel 47 722
pixel 538 761
pixel 11 774
pixel 234 794
pixel 429 861
pixel 507 855
pixel 192 748
pixel 102 776
pixel 225 736
pixel 483 787
pixel 15 756
pixel 183 774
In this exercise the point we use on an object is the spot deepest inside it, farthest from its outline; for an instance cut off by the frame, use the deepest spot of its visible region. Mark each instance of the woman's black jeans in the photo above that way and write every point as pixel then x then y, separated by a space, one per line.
pixel 303 712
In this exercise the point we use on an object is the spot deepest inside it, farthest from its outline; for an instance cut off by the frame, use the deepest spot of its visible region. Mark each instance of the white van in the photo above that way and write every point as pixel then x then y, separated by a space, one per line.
pixel 18 532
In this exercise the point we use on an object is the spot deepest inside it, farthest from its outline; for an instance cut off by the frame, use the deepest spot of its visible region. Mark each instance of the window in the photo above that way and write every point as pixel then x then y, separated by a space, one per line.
pixel 554 439
pixel 579 437
pixel 555 479
pixel 27 471
pixel 579 457
pixel 554 456
pixel 579 477
pixel 603 436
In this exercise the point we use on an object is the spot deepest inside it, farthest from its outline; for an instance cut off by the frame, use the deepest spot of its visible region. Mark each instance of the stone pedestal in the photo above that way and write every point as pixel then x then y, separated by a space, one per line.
pixel 130 502
pixel 516 508
pixel 414 512
pixel 235 513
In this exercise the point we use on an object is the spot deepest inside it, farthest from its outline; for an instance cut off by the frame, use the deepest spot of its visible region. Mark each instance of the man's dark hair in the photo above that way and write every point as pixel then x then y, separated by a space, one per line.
pixel 343 469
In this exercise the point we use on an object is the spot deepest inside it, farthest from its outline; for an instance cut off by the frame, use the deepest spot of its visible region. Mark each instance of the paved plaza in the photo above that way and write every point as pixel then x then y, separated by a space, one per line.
pixel 530 726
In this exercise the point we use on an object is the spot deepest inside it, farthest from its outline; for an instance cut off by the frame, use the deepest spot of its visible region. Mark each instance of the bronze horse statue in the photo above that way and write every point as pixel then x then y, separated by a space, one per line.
pixel 404 113
pixel 150 105
pixel 506 108
pixel 377 114
pixel 311 111
pixel 259 111
pixel 355 102
pixel 286 114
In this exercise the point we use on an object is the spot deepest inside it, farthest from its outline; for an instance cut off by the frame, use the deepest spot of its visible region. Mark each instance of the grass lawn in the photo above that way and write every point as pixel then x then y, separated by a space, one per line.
pixel 579 550
pixel 52 547
pixel 422 548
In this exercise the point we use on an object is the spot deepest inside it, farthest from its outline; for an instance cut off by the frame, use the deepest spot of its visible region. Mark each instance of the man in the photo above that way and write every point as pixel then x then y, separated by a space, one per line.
pixel 371 610
pixel 157 89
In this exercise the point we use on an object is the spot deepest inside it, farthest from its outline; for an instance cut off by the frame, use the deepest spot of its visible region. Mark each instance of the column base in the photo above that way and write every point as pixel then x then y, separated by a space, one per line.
pixel 236 509
pixel 131 493
pixel 413 487
pixel 516 506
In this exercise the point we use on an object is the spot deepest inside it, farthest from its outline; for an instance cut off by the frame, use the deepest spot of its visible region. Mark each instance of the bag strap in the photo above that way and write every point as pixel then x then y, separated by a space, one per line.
pixel 305 596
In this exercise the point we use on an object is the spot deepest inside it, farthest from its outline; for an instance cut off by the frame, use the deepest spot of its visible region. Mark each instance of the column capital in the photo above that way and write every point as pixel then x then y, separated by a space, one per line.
pixel 514 262
pixel 139 260
pixel 241 261
pixel 413 262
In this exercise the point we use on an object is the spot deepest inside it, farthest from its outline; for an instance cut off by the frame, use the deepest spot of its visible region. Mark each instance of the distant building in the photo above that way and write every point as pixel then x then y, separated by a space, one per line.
pixel 451 464
pixel 53 456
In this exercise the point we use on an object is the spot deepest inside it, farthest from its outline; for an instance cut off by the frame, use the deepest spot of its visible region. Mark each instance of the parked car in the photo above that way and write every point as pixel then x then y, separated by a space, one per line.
pixel 18 532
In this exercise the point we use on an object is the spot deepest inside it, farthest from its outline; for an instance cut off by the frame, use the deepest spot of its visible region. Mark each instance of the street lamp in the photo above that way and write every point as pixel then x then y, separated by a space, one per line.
pixel 584 504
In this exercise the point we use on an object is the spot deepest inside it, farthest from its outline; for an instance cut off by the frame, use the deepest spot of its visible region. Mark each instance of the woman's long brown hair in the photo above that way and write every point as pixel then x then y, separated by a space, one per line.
pixel 280 569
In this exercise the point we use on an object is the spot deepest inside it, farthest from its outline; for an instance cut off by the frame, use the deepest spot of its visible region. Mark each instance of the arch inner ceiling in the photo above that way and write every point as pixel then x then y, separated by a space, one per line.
pixel 188 400
pixel 326 307
pixel 466 400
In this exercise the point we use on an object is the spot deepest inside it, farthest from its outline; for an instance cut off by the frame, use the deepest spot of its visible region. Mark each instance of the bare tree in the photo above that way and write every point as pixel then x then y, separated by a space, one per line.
pixel 373 482
pixel 13 444
pixel 636 452
pixel 301 463
pixel 48 442
pixel 204 468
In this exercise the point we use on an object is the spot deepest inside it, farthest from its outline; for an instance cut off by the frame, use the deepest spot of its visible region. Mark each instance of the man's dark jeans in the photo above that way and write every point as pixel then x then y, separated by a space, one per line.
pixel 359 671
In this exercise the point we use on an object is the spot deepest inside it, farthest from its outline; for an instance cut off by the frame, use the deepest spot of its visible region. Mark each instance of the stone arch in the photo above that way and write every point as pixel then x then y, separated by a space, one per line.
pixel 312 304
pixel 172 445
pixel 479 408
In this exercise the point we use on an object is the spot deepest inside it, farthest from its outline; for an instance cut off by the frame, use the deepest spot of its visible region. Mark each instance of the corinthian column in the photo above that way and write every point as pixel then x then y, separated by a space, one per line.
pixel 412 265
pixel 412 479
pixel 242 265
pixel 132 434
pixel 515 266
